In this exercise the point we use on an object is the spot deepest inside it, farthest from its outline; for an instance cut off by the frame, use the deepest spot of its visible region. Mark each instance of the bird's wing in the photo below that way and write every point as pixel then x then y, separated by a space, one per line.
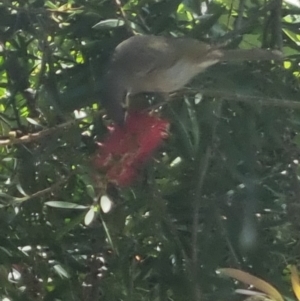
pixel 142 55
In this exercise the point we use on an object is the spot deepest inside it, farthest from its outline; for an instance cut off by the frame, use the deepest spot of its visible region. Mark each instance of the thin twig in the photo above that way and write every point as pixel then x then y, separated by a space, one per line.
pixel 232 96
pixel 6 141
pixel 225 234
pixel 36 136
pixel 251 21
pixel 16 201
pixel 255 100
pixel 239 20
pixel 127 22
pixel 277 24
pixel 203 169
pixel 160 203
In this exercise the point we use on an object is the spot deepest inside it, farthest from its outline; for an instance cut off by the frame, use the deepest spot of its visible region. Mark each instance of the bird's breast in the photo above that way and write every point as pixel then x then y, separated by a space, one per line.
pixel 170 79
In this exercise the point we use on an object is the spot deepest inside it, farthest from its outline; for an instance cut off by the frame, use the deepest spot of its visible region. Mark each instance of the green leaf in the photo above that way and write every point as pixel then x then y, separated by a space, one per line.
pixel 61 271
pixel 106 204
pixel 108 24
pixel 65 205
pixel 258 283
pixel 89 217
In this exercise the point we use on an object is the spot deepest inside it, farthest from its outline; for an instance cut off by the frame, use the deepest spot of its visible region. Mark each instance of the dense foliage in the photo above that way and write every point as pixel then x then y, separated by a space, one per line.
pixel 222 191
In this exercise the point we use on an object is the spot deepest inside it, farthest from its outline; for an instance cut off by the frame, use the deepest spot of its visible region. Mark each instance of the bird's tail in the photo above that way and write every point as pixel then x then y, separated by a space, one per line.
pixel 255 54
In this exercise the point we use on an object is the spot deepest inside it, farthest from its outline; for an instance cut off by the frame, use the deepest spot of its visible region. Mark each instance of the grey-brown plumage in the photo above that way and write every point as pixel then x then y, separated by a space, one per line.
pixel 163 64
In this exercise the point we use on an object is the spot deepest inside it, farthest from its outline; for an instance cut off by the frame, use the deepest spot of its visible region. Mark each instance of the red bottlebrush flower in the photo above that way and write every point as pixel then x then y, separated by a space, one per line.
pixel 126 149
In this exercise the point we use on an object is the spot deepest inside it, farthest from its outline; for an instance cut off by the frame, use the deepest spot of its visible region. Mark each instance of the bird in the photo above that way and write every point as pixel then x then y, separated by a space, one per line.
pixel 149 63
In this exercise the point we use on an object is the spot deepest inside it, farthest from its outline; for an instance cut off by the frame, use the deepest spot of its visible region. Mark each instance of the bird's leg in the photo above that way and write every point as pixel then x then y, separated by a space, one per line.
pixel 126 104
pixel 138 102
pixel 163 99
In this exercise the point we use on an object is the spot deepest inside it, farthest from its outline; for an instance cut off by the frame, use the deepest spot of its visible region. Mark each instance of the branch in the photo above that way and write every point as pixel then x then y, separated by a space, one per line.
pixel 239 20
pixel 6 141
pixel 255 100
pixel 203 168
pixel 43 192
pixel 18 201
pixel 36 136
pixel 277 24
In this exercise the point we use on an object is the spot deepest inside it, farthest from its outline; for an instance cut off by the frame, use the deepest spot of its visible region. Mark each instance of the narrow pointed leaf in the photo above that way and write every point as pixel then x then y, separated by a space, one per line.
pixel 110 23
pixel 249 292
pixel 295 281
pixel 64 205
pixel 252 280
